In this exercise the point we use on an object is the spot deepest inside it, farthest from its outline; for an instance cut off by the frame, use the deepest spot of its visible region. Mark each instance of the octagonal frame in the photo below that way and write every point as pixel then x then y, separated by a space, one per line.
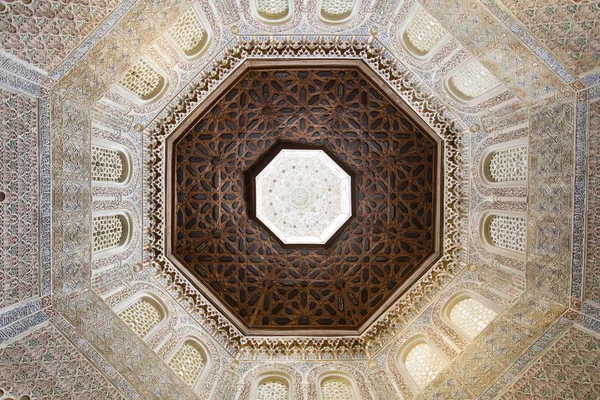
pixel 261 164
pixel 282 63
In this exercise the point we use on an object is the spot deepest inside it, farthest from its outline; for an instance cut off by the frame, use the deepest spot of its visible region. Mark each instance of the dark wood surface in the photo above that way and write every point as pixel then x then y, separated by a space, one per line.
pixel 382 249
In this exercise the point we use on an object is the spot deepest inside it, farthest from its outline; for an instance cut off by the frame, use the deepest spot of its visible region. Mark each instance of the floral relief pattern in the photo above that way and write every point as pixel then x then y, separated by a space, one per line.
pixel 44 32
pixel 45 365
pixel 19 210
pixel 569 28
pixel 569 370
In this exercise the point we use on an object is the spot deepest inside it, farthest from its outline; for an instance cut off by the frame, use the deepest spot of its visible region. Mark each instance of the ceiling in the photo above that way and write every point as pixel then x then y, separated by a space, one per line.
pixel 60 68
pixel 393 238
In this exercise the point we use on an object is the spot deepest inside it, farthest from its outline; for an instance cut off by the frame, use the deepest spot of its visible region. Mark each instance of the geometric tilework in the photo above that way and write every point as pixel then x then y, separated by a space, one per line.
pixel 19 210
pixel 569 370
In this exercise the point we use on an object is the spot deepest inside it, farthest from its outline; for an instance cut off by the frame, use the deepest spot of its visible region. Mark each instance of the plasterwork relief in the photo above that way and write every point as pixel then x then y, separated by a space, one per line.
pixel 568 28
pixel 550 201
pixel 570 368
pixel 500 52
pixel 296 389
pixel 254 48
pixel 44 32
pixel 19 208
pixel 44 365
pixel 143 369
pixel 592 267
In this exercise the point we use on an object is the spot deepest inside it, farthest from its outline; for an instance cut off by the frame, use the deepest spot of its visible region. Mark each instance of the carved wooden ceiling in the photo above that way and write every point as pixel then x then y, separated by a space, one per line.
pixel 264 287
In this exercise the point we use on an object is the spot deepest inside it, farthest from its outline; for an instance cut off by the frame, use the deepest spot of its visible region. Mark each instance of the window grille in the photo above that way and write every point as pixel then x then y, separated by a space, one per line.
pixel 108 165
pixel 188 32
pixel 108 232
pixel 471 316
pixel 424 32
pixel 272 390
pixel 142 80
pixel 187 363
pixel 509 165
pixel 141 316
pixel 423 364
pixel 336 389
pixel 337 9
pixel 508 232
pixel 272 9
pixel 473 80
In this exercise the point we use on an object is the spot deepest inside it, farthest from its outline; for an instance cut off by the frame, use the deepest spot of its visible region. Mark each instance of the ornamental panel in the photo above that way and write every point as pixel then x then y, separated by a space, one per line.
pixel 272 390
pixel 471 316
pixel 257 281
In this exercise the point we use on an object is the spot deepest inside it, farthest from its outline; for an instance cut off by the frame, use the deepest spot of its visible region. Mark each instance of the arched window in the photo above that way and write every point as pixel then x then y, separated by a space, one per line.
pixel 110 233
pixel 272 388
pixel 471 81
pixel 143 315
pixel 143 81
pixel 109 165
pixel 189 35
pixel 337 11
pixel 336 388
pixel 420 362
pixel 272 12
pixel 423 34
pixel 468 316
pixel 507 232
pixel 189 361
pixel 507 165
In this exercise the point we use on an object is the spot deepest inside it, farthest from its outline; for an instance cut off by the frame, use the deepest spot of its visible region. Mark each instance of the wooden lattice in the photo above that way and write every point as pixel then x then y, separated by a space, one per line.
pixel 377 253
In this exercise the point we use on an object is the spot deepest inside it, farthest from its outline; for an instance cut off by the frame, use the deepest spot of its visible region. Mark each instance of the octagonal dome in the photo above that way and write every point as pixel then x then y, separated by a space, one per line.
pixel 346 279
pixel 302 196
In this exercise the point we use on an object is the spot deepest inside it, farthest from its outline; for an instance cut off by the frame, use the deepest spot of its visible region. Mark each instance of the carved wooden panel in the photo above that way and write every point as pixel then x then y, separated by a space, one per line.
pixel 246 270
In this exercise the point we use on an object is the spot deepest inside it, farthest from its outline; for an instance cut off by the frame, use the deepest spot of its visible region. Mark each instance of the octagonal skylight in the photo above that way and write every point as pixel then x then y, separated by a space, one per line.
pixel 303 196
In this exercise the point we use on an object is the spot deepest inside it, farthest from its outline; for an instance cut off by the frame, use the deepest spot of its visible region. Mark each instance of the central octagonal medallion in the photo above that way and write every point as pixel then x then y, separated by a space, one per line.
pixel 328 245
pixel 302 196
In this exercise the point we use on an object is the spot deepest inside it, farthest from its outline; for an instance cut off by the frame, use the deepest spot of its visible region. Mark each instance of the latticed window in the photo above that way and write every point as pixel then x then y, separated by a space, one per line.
pixel 424 32
pixel 141 316
pixel 273 9
pixel 188 33
pixel 471 316
pixel 337 9
pixel 509 165
pixel 336 389
pixel 272 390
pixel 188 362
pixel 108 232
pixel 142 80
pixel 108 165
pixel 473 80
pixel 423 364
pixel 508 232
